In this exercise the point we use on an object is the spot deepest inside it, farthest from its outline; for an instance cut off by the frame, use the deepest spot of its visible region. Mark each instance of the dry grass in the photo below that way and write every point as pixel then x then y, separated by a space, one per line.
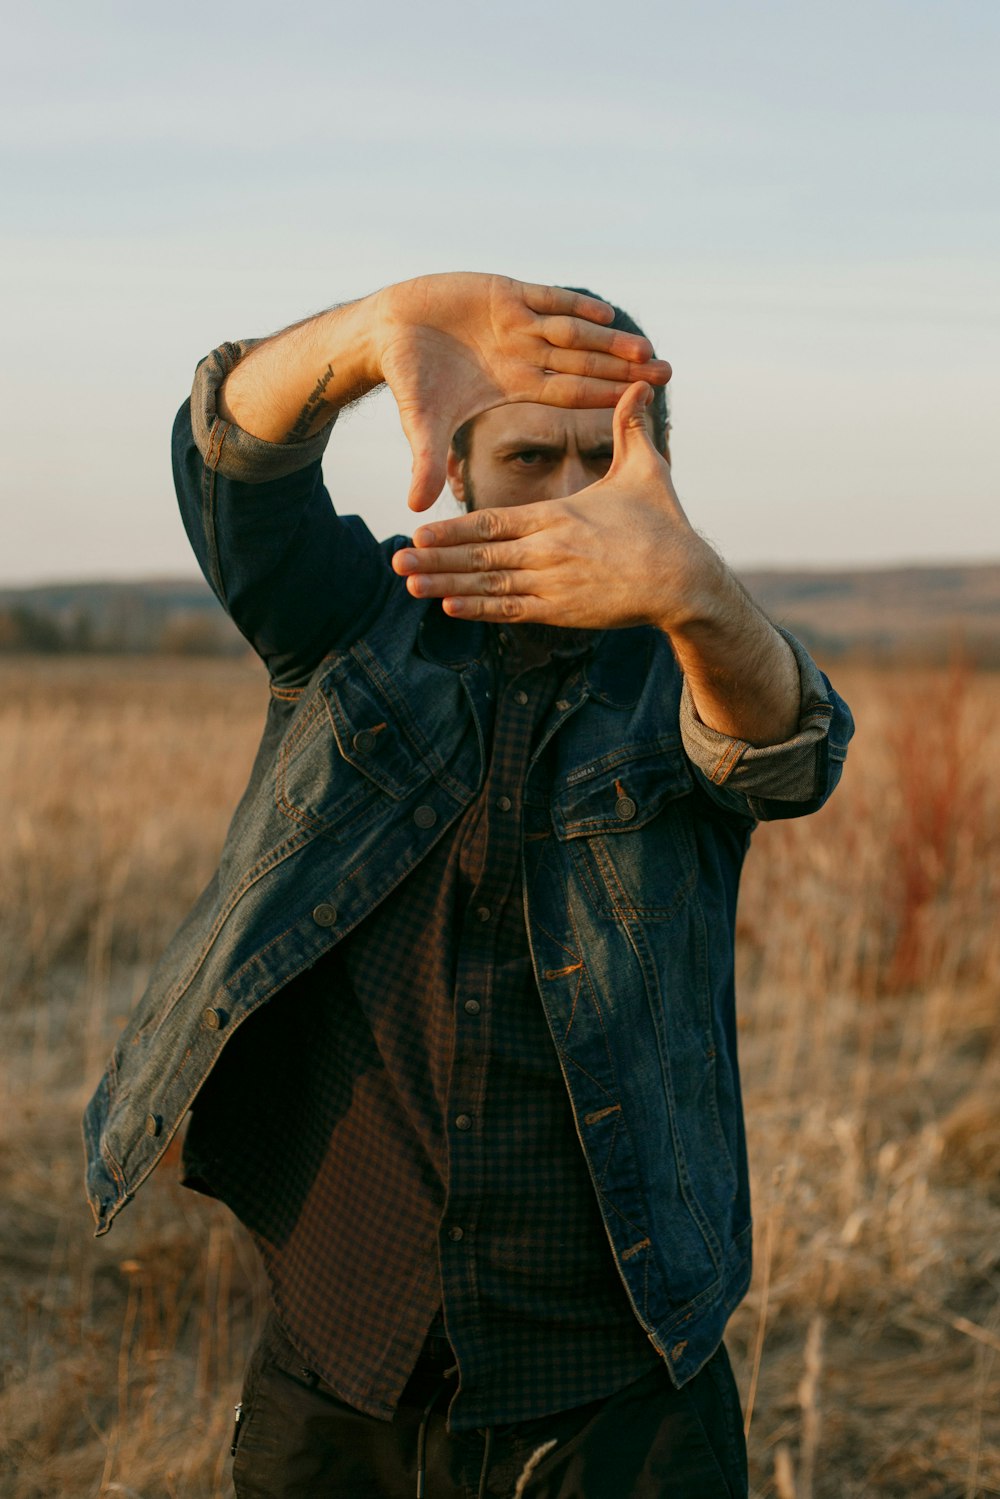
pixel 869 1346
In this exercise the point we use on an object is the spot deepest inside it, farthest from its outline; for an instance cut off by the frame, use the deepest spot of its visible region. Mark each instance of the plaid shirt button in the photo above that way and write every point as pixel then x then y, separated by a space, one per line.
pixel 456 1234
pixel 472 1006
pixel 463 1122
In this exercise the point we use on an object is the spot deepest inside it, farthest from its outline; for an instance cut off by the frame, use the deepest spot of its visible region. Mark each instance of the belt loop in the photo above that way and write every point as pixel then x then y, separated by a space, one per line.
pixel 485 1472
pixel 422 1433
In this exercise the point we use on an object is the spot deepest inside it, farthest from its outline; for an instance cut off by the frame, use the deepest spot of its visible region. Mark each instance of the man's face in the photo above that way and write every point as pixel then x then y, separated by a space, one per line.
pixel 523 452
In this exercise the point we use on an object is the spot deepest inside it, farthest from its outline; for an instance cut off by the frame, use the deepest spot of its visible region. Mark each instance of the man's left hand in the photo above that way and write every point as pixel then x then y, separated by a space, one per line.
pixel 620 552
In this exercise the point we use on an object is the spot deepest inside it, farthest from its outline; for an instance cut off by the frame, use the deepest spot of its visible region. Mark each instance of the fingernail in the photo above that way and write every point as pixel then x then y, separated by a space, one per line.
pixel 407 561
pixel 424 537
pixel 455 606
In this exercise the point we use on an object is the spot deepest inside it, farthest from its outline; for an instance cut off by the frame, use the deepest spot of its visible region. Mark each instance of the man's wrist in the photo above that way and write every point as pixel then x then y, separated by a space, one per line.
pixel 362 326
pixel 705 600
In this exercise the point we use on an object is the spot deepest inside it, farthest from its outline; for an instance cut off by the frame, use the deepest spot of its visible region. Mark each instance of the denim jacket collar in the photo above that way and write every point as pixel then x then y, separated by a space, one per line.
pixel 616 668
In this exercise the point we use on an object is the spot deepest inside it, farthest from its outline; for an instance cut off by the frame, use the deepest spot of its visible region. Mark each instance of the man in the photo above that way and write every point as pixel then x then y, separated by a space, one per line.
pixel 455 1016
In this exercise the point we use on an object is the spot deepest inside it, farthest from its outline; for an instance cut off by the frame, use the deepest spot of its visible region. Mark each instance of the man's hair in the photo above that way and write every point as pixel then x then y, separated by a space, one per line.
pixel 659 410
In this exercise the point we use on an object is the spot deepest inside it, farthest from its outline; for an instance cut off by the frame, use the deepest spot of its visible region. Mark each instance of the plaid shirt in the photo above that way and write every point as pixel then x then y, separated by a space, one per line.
pixel 416 1148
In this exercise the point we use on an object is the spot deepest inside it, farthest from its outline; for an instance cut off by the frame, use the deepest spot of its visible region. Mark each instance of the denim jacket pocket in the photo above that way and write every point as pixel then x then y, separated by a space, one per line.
pixel 627 820
pixel 344 759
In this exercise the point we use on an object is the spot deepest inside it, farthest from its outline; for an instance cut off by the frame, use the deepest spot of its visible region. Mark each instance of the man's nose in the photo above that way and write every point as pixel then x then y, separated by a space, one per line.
pixel 569 478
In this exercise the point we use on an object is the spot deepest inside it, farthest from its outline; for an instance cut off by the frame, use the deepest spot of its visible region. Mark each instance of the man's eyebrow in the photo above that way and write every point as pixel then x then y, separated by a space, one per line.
pixel 534 445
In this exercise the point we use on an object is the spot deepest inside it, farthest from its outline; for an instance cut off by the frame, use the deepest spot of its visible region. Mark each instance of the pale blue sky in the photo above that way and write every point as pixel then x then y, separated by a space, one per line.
pixel 799 202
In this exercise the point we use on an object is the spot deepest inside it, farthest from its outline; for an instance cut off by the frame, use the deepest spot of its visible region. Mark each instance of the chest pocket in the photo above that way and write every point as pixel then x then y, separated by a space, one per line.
pixel 628 822
pixel 345 758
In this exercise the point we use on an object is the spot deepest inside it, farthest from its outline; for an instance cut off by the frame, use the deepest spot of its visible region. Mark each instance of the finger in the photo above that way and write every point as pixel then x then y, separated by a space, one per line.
pixel 514 608
pixel 576 390
pixel 606 366
pixel 557 299
pixel 502 583
pixel 574 333
pixel 506 524
pixel 480 557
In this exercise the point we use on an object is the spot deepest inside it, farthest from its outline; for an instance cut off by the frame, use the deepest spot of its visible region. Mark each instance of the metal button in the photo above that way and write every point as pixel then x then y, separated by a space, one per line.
pixel 153 1124
pixel 562 704
pixel 456 1234
pixel 463 1121
pixel 483 913
pixel 325 915
pixel 472 1007
pixel 425 817
pixel 213 1020
pixel 365 741
pixel 520 697
pixel 625 808
pixel 504 803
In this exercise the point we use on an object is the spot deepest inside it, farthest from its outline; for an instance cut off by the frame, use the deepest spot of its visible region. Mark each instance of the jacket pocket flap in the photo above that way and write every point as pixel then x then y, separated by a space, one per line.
pixel 623 791
pixel 369 737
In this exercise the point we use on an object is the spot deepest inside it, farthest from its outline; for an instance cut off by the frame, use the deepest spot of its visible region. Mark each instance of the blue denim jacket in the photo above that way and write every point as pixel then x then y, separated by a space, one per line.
pixel 637 818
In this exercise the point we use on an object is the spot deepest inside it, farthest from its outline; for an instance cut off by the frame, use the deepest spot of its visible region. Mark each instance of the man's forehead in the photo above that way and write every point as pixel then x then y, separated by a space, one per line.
pixel 553 425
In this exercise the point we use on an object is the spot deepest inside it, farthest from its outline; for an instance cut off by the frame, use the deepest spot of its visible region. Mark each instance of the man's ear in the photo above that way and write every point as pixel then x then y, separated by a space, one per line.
pixel 456 477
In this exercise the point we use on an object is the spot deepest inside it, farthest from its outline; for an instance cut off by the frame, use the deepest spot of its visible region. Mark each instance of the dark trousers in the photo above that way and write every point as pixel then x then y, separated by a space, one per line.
pixel 296 1440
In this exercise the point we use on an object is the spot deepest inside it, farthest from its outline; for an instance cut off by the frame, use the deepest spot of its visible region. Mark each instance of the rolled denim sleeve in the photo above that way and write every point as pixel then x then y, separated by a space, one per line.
pixel 297 579
pixel 226 448
pixel 772 781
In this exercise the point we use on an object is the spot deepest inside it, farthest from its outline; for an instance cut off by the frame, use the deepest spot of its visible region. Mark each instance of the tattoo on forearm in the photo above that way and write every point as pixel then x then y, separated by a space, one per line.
pixel 315 402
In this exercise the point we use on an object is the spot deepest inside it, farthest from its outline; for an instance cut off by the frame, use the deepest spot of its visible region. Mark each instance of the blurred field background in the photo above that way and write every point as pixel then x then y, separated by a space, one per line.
pixel 868 1352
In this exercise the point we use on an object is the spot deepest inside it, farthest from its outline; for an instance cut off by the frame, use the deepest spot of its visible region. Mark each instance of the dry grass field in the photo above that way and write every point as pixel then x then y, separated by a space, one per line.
pixel 868 1352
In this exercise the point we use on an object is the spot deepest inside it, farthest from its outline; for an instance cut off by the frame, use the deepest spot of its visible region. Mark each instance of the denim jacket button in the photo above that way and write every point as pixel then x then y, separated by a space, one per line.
pixel 365 741
pixel 625 808
pixel 324 915
pixel 213 1020
pixel 425 817
pixel 153 1124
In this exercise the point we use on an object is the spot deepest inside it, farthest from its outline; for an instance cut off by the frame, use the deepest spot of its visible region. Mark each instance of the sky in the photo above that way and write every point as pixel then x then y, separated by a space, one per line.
pixel 800 203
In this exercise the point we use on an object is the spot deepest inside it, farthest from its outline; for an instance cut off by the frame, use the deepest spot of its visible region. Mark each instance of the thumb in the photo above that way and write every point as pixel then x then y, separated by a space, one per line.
pixel 428 447
pixel 631 434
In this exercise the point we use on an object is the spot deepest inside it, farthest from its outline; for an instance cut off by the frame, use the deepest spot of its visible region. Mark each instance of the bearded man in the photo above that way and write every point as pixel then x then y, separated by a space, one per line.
pixel 455 1017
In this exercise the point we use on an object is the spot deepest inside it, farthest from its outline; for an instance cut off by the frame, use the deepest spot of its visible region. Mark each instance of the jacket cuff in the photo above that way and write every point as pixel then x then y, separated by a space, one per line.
pixel 790 771
pixel 229 450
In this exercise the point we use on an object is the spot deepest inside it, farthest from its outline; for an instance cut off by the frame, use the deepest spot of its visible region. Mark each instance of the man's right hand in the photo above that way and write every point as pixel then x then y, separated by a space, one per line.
pixel 449 346
pixel 454 345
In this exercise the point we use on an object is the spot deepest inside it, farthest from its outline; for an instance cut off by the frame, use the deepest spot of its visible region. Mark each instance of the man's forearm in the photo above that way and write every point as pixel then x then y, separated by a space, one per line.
pixel 742 674
pixel 289 386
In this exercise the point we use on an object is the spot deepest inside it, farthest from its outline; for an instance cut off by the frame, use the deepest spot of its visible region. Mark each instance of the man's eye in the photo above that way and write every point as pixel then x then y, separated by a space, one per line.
pixel 530 457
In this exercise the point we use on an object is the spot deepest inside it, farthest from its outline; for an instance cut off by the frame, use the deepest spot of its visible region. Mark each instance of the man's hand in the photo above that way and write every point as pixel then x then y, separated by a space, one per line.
pixel 452 346
pixel 449 347
pixel 621 552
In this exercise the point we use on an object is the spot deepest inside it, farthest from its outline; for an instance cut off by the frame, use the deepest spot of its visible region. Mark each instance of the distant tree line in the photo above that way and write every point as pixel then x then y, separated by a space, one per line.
pixel 123 631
